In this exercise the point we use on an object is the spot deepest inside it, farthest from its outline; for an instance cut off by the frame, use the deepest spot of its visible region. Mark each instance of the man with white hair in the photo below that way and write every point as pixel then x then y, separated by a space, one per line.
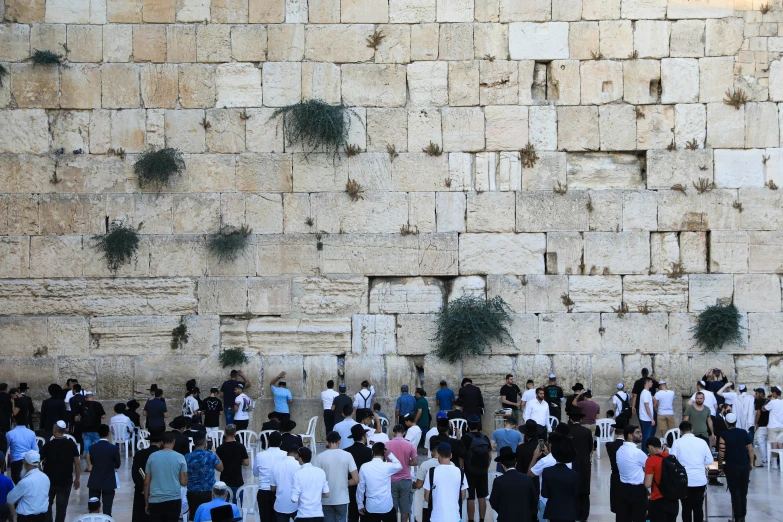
pixel 622 405
pixel 29 500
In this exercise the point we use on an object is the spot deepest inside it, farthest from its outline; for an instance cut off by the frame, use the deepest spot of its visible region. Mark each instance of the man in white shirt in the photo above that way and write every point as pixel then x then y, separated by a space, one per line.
pixel 309 489
pixel 423 470
pixel 618 398
pixel 632 500
pixel 338 465
pixel 528 395
pixel 242 408
pixel 741 404
pixel 281 482
pixel 327 399
pixel 344 426
pixel 538 410
pixel 362 400
pixel 190 406
pixel 412 431
pixel 694 454
pixel 646 415
pixel 775 409
pixel 448 488
pixel 709 398
pixel 664 407
pixel 373 495
pixel 29 500
pixel 263 464
pixel 122 419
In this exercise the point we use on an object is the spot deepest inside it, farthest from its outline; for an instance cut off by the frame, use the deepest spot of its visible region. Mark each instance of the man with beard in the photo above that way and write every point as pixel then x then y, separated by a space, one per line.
pixel 29 500
pixel 582 441
pixel 138 466
pixel 471 399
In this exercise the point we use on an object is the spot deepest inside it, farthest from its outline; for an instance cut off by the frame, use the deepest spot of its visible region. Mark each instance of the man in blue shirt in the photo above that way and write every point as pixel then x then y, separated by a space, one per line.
pixel 20 440
pixel 282 397
pixel 219 494
pixel 444 398
pixel 506 437
pixel 405 404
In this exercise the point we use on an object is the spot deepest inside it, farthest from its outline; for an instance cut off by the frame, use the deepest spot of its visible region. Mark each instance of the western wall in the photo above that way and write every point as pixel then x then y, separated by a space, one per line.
pixel 648 191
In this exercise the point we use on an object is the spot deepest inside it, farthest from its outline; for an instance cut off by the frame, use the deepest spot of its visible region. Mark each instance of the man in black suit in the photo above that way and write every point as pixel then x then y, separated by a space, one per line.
pixel 526 449
pixel 138 466
pixel 582 441
pixel 560 485
pixel 471 399
pixel 514 498
pixel 611 450
pixel 361 455
pixel 105 459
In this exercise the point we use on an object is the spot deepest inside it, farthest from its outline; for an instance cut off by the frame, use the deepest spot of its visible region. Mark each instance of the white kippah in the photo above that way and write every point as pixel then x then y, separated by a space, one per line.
pixel 61 424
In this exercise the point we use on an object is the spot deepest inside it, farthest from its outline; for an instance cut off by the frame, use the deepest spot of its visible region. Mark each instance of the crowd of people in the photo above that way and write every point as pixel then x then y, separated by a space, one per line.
pixel 374 463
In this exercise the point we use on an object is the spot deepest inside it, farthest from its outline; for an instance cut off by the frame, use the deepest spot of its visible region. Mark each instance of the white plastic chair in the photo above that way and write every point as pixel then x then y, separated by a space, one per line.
pixel 263 439
pixel 142 444
pixel 310 433
pixel 41 441
pixel 458 424
pixel 121 434
pixel 248 503
pixel 191 445
pixel 216 437
pixel 606 433
pixel 674 432
pixel 553 422
pixel 144 434
pixel 78 446
pixel 249 440
pixel 94 517
pixel 384 425
pixel 776 451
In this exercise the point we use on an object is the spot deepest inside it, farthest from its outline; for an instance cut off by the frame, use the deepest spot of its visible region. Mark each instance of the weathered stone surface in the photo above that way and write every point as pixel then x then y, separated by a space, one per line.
pixel 269 295
pixel 659 292
pixel 564 252
pixel 604 171
pixel 238 85
pixel 617 253
pixel 531 41
pixel 728 251
pixel 635 332
pixel 539 212
pixel 335 296
pixel 373 85
pixel 410 295
pixel 146 335
pixel 545 293
pixel 415 333
pixel 762 333
pixel 276 336
pixel 757 292
pixel 595 293
pixel 569 333
pixel 222 295
pixel 501 253
pixel 679 167
pixel 512 289
pixel 374 335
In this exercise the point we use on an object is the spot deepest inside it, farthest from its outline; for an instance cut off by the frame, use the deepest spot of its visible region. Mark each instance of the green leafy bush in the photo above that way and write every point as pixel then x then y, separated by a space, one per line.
pixel 232 357
pixel 119 245
pixel 158 167
pixel 468 325
pixel 315 125
pixel 46 58
pixel 179 335
pixel 3 73
pixel 229 242
pixel 718 325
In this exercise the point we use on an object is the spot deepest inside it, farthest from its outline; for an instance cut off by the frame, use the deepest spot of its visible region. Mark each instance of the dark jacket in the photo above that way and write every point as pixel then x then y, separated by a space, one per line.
pixel 525 454
pixel 582 440
pixel 140 463
pixel 361 454
pixel 472 400
pixel 560 486
pixel 514 498
pixel 181 442
pixel 614 479
pixel 105 459
pixel 52 410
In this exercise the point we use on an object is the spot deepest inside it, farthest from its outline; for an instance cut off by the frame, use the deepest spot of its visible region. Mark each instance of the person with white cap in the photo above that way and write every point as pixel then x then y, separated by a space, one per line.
pixel 709 398
pixel 735 453
pixel 29 500
pixel 663 402
pixel 60 460
pixel 553 395
pixel 774 406
pixel 622 406
pixel 741 404
pixel 219 495
pixel 93 506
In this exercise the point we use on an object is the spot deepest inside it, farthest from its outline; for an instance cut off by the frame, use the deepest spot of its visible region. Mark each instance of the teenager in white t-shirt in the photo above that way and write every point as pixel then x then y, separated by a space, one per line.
pixel 446 493
pixel 646 413
pixel 664 406
pixel 242 408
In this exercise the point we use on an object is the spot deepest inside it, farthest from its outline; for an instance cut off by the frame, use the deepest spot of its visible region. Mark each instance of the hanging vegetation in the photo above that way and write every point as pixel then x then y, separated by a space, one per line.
pixel 179 335
pixel 718 325
pixel 158 167
pixel 119 245
pixel 468 325
pixel 232 357
pixel 3 73
pixel 229 242
pixel 46 58
pixel 315 125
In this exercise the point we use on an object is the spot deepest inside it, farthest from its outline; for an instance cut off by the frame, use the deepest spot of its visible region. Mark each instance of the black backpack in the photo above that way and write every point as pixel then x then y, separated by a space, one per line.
pixel 674 478
pixel 477 460
pixel 87 415
pixel 625 408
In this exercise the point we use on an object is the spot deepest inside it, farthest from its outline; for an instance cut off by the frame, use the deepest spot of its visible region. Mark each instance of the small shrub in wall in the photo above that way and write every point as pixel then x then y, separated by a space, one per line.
pixel 179 335
pixel 229 242
pixel 232 357
pixel 119 244
pixel 158 167
pixel 718 325
pixel 315 125
pixel 46 58
pixel 467 327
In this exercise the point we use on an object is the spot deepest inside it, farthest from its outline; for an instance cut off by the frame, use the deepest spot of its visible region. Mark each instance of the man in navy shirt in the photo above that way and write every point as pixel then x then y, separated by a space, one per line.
pixel 156 412
pixel 735 451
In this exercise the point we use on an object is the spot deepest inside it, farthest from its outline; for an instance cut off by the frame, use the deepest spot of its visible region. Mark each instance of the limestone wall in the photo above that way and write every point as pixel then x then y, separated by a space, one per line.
pixel 621 99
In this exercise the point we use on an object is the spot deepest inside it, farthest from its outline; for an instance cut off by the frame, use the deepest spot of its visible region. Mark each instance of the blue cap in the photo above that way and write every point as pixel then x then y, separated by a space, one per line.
pixel 474 418
pixel 443 447
pixel 441 415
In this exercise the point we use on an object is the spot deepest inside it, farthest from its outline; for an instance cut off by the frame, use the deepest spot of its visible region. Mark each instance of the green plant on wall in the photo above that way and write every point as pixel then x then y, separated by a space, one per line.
pixel 119 244
pixel 229 242
pixel 468 325
pixel 315 125
pixel 232 357
pixel 179 335
pixel 158 167
pixel 46 58
pixel 3 73
pixel 718 325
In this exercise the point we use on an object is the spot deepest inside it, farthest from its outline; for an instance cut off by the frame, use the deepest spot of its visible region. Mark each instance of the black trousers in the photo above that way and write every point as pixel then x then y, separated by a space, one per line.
pixel 266 505
pixel 283 416
pixel 583 506
pixel 195 499
pixel 632 503
pixel 310 519
pixel 737 480
pixel 241 424
pixel 16 470
pixel 426 513
pixel 329 420
pixel 107 499
pixel 663 510
pixel 40 517
pixel 391 516
pixel 693 505
pixel 285 517
pixel 139 504
pixel 165 511
pixel 58 495
pixel 353 507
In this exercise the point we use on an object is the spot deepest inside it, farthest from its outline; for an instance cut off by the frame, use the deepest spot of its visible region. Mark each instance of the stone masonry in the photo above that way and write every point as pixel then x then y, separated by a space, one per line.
pixel 621 99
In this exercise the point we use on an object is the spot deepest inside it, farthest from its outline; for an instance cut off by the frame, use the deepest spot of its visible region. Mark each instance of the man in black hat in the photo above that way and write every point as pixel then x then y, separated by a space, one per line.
pixel 524 452
pixel 52 410
pixel 560 485
pixel 514 498
pixel 471 398
pixel 569 407
pixel 273 422
pixel 611 450
pixel 133 405
pixel 286 427
pixel 361 454
pixel 582 441
pixel 181 442
pixel 23 389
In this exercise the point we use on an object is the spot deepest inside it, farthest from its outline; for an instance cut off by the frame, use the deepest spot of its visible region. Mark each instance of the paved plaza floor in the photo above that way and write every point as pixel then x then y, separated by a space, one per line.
pixel 764 497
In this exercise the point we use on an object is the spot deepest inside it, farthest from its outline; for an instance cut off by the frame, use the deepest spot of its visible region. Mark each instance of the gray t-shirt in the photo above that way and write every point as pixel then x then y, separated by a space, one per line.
pixel 165 466
pixel 698 419
pixel 337 464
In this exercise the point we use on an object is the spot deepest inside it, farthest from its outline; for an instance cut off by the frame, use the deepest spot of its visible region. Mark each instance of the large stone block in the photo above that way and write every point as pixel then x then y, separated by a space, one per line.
pixel 512 289
pixel 562 83
pixel 277 336
pixel 374 85
pixel 681 338
pixel 751 370
pixel 374 335
pixel 269 295
pixel 547 211
pixel 739 168
pixel 602 81
pixel 501 253
pixel 318 369
pixel 699 9
pixel 641 81
pixel 716 76
pixel 506 127
pixel 414 295
pixel 687 38
pixel 578 128
pixel 595 293
pixel 602 171
pixel 761 125
pixel 659 292
pixel 679 80
pixel 564 253
pixel 415 333
pixel 26 131
pixel 375 213
pixel 724 36
pixel 544 293
pixel 635 332
pixel 486 373
pixel 763 332
pixel 656 129
pixel 335 296
pixel 690 123
pixel 120 86
pixel 491 212
pixel 238 85
pixel 222 295
pixel 679 167
pixel 144 335
pixel 533 41
pixel 617 127
pixel 569 333
pixel 757 292
pixel 463 129
pixel 766 252
pixel 617 253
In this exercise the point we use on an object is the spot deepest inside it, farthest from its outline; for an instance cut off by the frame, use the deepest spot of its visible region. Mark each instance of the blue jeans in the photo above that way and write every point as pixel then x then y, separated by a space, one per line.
pixel 338 513
pixel 647 431
pixel 89 438
pixel 229 413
